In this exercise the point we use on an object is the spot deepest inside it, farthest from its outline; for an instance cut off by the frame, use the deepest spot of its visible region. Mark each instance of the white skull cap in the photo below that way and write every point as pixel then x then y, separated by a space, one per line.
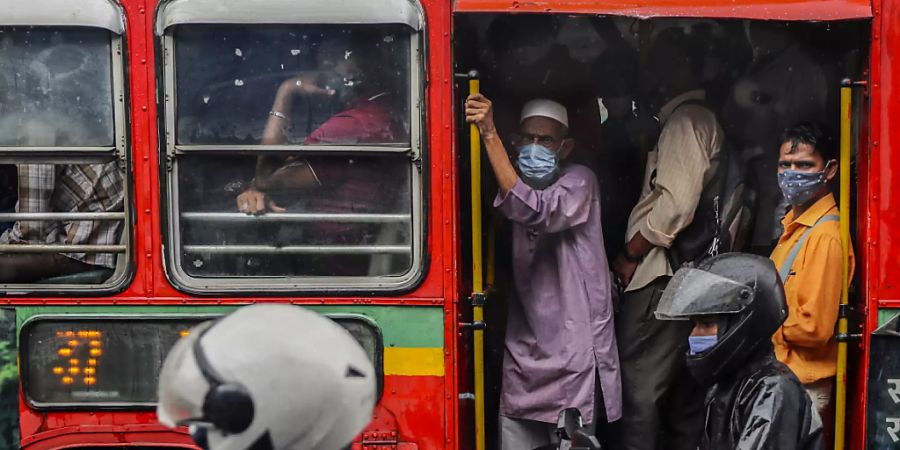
pixel 541 107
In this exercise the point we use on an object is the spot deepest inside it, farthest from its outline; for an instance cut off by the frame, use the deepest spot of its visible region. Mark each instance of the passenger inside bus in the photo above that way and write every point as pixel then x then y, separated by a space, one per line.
pixel 57 93
pixel 562 320
pixel 680 167
pixel 321 185
pixel 349 71
pixel 759 78
pixel 809 256
pixel 783 86
pixel 46 188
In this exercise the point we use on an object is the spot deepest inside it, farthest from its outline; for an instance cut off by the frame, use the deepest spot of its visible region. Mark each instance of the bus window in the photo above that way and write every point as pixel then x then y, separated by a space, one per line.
pixel 62 184
pixel 294 150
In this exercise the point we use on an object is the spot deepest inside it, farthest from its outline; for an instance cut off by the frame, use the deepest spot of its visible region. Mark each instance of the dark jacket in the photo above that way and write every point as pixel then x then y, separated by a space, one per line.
pixel 762 406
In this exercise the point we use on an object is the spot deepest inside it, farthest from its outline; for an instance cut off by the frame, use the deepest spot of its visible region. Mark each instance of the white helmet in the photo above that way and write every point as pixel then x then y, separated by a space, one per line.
pixel 268 376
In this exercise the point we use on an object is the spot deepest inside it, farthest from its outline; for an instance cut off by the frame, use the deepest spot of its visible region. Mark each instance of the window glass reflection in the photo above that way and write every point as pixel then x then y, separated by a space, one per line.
pixel 317 85
pixel 55 87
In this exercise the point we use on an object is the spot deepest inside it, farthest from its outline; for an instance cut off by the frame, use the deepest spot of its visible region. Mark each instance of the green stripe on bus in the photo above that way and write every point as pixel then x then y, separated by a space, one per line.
pixel 885 315
pixel 401 326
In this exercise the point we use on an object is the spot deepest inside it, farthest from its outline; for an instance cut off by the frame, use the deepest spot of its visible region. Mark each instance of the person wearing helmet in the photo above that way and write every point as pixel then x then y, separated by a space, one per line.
pixel 240 384
pixel 753 402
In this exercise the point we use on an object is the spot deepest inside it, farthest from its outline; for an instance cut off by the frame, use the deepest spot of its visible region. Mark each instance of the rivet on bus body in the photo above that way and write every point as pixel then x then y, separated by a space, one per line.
pixel 144 108
pixel 146 211
pixel 141 10
pixel 143 61
pixel 149 255
pixel 875 143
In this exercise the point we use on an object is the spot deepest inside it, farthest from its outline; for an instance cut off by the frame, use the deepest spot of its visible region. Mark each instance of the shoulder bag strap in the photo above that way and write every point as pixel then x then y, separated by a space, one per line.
pixel 785 269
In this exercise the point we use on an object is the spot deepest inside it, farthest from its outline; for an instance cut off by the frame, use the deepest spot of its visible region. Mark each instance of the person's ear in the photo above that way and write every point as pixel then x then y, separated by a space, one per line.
pixel 831 170
pixel 565 148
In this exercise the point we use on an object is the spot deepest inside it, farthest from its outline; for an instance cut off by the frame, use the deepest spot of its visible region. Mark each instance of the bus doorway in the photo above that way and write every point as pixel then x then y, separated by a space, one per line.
pixel 759 78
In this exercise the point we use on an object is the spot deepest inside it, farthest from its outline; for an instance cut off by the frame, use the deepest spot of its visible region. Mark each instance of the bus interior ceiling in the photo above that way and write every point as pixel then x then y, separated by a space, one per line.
pixel 759 76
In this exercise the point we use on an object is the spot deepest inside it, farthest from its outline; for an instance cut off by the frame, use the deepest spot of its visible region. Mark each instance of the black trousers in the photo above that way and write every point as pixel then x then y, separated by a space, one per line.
pixel 662 404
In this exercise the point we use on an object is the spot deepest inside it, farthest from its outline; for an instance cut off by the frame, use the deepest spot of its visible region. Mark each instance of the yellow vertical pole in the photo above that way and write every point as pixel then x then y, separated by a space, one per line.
pixel 477 275
pixel 840 410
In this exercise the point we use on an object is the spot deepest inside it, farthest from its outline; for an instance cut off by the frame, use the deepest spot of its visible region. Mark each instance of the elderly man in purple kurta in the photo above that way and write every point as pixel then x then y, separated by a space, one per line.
pixel 560 341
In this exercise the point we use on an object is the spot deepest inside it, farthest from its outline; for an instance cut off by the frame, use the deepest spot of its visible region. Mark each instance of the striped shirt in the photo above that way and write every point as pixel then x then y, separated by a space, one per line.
pixel 70 188
pixel 682 163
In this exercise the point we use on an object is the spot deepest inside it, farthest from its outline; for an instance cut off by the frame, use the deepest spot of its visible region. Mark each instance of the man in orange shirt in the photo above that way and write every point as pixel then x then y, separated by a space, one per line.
pixel 809 258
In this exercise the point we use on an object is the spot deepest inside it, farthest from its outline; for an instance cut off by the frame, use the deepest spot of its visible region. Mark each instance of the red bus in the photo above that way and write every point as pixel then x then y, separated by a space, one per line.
pixel 135 129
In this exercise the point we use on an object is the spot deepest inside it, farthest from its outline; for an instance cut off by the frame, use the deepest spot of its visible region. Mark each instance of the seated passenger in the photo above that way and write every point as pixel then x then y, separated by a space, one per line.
pixel 343 184
pixel 63 188
pixel 560 342
pixel 350 76
pixel 754 402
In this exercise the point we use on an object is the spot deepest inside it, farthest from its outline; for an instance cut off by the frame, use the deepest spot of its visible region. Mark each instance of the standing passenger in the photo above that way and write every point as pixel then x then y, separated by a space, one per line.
pixel 560 341
pixel 810 259
pixel 659 397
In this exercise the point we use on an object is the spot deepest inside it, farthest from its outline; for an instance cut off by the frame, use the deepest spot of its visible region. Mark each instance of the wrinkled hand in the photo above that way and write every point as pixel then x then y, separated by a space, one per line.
pixel 624 269
pixel 480 111
pixel 254 202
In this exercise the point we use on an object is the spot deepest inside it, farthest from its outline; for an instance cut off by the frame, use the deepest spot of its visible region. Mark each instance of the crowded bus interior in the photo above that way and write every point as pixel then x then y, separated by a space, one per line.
pixel 759 78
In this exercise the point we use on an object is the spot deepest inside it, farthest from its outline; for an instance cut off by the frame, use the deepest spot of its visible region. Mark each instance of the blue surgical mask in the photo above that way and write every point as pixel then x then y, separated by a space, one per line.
pixel 800 187
pixel 700 344
pixel 538 165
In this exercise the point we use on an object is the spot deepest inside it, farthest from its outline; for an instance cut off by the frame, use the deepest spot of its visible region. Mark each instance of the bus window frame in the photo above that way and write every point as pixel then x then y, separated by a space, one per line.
pixel 278 285
pixel 123 273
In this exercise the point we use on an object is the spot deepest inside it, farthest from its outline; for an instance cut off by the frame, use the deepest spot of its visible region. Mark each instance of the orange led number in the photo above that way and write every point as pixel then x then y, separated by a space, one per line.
pixel 78 346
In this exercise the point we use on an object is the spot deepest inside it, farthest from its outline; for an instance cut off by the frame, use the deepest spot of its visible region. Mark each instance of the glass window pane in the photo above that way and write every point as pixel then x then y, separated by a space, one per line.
pixel 52 207
pixel 325 216
pixel 308 84
pixel 55 87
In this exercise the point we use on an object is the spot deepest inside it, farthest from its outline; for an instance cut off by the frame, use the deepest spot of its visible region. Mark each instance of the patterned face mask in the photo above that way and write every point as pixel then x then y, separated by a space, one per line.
pixel 538 165
pixel 799 187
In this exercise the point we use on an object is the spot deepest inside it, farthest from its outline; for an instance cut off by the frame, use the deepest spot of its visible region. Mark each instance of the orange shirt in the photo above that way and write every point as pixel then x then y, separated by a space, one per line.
pixel 806 341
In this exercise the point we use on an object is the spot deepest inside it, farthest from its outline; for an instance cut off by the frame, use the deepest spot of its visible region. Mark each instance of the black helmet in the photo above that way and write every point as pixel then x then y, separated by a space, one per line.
pixel 744 295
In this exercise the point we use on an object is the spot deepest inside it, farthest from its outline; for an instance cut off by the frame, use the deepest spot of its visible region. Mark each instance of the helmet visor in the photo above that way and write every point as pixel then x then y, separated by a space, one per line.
pixel 182 387
pixel 695 292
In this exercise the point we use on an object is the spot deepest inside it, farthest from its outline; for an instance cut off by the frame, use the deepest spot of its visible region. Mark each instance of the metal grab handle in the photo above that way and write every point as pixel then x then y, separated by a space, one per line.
pixel 54 216
pixel 295 217
pixel 840 394
pixel 60 248
pixel 477 267
pixel 299 249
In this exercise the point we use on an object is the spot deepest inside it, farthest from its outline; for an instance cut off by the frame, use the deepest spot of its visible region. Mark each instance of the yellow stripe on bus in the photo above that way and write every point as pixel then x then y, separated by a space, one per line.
pixel 407 361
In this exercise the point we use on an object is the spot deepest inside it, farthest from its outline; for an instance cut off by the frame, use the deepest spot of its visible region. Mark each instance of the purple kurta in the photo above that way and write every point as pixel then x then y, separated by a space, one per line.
pixel 560 329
